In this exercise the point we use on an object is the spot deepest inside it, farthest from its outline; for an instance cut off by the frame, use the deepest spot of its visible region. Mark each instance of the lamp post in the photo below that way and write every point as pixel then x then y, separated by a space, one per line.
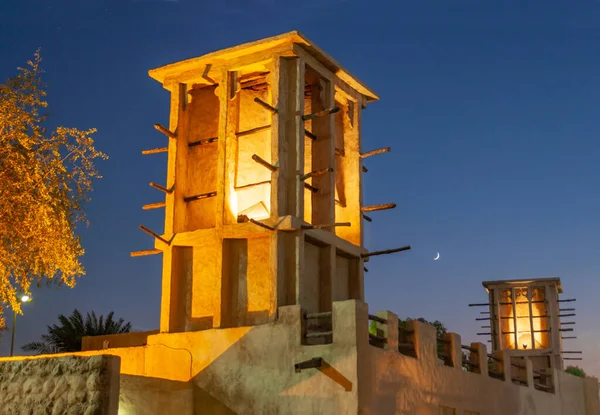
pixel 24 299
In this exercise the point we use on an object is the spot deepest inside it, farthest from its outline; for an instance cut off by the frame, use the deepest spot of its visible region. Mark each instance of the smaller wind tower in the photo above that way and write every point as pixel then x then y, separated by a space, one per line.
pixel 525 320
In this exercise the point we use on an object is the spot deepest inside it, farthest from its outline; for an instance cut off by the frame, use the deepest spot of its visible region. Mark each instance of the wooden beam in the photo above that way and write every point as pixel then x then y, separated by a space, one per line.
pixel 311 188
pixel 316 173
pixel 387 251
pixel 247 186
pixel 146 252
pixel 375 152
pixel 162 188
pixel 203 141
pixel 244 218
pixel 156 205
pixel 310 135
pixel 199 196
pixel 323 113
pixel 253 130
pixel 373 208
pixel 331 225
pixel 155 150
pixel 165 131
pixel 157 236
pixel 265 105
pixel 263 162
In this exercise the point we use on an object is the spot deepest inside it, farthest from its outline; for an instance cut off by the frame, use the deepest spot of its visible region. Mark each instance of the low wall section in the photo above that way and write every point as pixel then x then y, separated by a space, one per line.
pixel 59 385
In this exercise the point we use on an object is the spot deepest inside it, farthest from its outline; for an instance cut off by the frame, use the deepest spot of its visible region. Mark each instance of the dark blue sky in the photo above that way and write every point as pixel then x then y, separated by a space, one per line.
pixel 491 109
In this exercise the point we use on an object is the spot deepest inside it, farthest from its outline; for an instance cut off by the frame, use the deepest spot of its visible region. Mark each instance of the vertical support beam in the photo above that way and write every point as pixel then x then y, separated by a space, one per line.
pixel 175 209
pixel 514 309
pixel 529 372
pixel 174 205
pixel 348 174
pixel 286 81
pixel 223 92
pixel 531 329
pixel 231 106
pixel 323 153
pixel 552 309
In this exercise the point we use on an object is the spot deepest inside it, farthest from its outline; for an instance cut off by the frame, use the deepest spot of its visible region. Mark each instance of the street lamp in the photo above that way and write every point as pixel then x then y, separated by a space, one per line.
pixel 24 299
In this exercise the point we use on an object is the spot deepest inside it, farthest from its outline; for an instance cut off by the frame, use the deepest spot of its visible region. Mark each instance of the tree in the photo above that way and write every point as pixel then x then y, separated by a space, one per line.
pixel 45 179
pixel 66 336
pixel 575 371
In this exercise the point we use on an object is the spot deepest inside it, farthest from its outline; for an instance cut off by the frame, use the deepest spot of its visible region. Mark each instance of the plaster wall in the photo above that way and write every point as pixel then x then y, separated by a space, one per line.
pixel 250 370
pixel 77 385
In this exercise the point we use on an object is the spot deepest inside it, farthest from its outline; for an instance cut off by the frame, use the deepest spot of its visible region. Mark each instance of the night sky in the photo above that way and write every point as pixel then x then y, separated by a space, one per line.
pixel 490 107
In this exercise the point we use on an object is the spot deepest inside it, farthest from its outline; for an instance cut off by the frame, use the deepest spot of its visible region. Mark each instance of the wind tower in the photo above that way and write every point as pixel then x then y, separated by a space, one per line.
pixel 525 320
pixel 263 201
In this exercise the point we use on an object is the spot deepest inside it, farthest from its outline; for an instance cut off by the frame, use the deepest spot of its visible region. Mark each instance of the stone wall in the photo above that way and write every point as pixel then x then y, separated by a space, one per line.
pixel 75 385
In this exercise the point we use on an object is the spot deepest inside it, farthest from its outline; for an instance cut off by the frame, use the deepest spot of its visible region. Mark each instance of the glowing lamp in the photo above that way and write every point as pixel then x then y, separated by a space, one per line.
pixel 25 298
pixel 525 340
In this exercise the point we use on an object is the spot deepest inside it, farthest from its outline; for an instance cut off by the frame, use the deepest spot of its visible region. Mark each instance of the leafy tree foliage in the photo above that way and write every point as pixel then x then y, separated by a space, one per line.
pixel 66 336
pixel 575 371
pixel 45 178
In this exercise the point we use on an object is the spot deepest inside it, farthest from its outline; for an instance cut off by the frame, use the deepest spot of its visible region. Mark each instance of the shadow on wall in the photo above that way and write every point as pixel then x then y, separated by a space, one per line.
pixel 142 395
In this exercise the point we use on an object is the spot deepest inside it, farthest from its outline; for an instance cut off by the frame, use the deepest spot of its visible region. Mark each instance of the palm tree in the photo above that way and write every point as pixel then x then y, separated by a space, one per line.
pixel 66 336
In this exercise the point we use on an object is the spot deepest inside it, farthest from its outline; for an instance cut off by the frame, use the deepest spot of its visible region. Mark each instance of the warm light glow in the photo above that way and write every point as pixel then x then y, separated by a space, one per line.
pixel 258 211
pixel 233 202
pixel 525 341
pixel 25 298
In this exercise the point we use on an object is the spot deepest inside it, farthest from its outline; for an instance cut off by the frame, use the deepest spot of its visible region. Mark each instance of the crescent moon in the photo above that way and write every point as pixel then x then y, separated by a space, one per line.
pixel 437 257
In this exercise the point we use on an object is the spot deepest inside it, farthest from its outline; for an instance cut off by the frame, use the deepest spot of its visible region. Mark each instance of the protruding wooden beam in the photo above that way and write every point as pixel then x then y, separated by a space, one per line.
pixel 572 352
pixel 155 150
pixel 314 363
pixel 373 208
pixel 162 188
pixel 567 300
pixel 146 252
pixel 199 196
pixel 320 113
pixel 265 105
pixel 566 309
pixel 567 315
pixel 157 236
pixel 572 358
pixel 264 163
pixel 365 269
pixel 203 141
pixel 316 173
pixel 566 323
pixel 568 337
pixel 364 169
pixel 244 218
pixel 331 225
pixel 367 218
pixel 479 305
pixel 375 152
pixel 387 251
pixel 156 205
pixel 311 188
pixel 165 131
pixel 310 135
pixel 253 130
